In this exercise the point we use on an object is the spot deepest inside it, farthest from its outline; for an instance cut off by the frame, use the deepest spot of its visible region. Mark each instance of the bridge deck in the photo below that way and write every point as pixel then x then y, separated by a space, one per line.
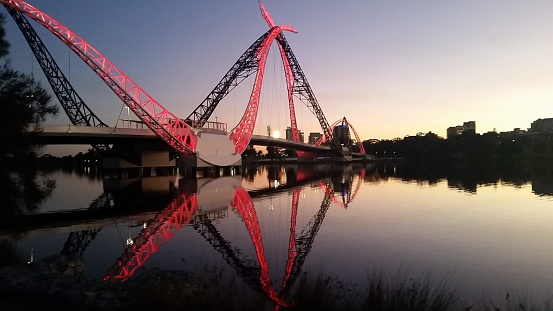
pixel 82 135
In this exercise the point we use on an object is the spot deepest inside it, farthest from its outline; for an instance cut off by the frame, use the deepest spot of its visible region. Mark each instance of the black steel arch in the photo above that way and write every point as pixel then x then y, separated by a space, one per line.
pixel 244 67
pixel 73 105
pixel 302 90
pixel 248 269
pixel 78 241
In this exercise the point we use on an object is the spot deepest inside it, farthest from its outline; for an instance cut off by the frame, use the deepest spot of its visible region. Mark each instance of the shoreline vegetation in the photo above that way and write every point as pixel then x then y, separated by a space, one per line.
pixel 57 282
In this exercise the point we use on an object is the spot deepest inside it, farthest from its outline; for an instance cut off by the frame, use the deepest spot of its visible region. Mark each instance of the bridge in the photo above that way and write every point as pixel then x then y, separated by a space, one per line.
pixel 196 144
pixel 70 134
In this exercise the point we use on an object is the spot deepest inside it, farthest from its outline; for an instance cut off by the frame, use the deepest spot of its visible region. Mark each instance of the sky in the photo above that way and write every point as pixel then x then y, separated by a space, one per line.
pixel 392 68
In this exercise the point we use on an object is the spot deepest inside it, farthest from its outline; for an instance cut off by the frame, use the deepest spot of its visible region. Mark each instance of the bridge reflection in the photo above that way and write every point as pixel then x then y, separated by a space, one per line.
pixel 193 203
pixel 255 274
pixel 182 211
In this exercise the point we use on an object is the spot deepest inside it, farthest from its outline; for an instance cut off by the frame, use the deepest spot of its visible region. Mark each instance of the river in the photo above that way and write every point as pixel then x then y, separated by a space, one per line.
pixel 487 231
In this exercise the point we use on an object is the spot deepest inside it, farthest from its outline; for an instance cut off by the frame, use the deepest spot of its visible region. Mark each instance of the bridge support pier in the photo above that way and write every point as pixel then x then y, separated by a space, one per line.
pixel 145 164
pixel 193 165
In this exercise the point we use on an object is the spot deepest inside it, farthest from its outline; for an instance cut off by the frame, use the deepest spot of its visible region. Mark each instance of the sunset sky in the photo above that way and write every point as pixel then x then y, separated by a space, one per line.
pixel 392 68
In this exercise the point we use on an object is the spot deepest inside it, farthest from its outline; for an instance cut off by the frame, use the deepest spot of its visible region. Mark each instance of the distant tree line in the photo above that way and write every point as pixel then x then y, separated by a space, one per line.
pixel 468 146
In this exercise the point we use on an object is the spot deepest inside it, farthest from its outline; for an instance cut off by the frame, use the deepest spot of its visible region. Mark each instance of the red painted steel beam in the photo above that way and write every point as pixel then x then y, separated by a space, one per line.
pixel 289 80
pixel 327 189
pixel 161 121
pixel 242 133
pixel 158 231
pixel 244 206
pixel 323 138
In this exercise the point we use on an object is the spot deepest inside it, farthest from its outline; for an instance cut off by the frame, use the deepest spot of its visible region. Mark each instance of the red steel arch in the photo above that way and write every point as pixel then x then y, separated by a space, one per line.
pixel 344 120
pixel 158 231
pixel 288 73
pixel 242 133
pixel 161 121
pixel 330 192
pixel 174 131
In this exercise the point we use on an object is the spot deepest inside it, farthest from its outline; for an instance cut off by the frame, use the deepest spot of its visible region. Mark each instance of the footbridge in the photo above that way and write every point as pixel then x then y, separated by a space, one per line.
pixel 82 135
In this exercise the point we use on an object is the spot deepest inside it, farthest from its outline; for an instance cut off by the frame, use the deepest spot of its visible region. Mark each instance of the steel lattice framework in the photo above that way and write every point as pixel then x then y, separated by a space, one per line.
pixel 297 85
pixel 178 133
pixel 287 72
pixel 351 195
pixel 256 276
pixel 244 67
pixel 73 105
pixel 156 232
pixel 303 92
pixel 181 212
pixel 78 241
pixel 324 139
pixel 166 125
pixel 304 243
pixel 242 133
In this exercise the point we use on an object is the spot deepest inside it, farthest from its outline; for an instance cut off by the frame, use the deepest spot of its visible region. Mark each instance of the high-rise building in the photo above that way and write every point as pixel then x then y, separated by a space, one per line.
pixel 542 125
pixel 469 125
pixel 314 136
pixel 342 133
pixel 459 129
pixel 289 135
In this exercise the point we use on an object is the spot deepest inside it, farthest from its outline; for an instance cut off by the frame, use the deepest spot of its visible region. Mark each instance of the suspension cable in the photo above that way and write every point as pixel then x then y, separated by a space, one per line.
pixel 69 61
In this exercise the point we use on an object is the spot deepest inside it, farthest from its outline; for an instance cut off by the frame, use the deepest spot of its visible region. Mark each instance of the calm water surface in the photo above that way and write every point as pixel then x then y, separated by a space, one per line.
pixel 488 233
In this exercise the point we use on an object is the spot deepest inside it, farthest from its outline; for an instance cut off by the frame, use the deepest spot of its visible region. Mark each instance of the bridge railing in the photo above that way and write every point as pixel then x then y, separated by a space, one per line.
pixel 209 125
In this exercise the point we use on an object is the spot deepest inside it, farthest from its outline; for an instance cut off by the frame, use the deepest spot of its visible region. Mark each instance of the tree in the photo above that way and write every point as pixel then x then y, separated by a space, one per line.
pixel 25 104
pixel 4 45
pixel 250 152
pixel 274 152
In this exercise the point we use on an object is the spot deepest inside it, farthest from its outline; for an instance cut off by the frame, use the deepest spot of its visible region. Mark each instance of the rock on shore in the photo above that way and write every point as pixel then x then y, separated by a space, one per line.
pixel 58 281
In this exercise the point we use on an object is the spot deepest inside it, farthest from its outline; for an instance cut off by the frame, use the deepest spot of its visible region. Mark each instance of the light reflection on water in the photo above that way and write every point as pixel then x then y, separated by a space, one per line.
pixel 489 235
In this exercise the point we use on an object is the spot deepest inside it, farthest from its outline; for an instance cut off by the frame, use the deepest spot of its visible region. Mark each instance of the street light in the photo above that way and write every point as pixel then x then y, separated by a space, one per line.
pixel 128 116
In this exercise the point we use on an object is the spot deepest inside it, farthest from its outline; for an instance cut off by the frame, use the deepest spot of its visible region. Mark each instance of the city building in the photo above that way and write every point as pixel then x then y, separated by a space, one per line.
pixel 314 136
pixel 469 125
pixel 459 129
pixel 542 125
pixel 290 136
pixel 342 133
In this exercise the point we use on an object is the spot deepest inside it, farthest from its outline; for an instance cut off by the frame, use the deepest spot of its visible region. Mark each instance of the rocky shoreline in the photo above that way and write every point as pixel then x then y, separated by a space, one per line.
pixel 58 282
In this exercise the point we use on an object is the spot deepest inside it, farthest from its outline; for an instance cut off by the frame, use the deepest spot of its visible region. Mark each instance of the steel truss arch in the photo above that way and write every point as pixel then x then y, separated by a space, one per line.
pixel 156 232
pixel 288 74
pixel 174 131
pixel 242 133
pixel 78 241
pixel 244 67
pixel 302 90
pixel 351 196
pixel 73 105
pixel 255 276
pixel 299 86
pixel 323 138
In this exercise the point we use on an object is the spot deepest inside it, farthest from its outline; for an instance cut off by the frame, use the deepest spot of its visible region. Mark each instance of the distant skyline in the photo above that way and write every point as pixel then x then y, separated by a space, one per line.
pixel 392 68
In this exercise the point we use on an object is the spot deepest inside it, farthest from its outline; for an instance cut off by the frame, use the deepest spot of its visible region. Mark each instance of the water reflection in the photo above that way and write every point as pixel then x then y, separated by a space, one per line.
pixel 161 206
pixel 469 176
pixel 184 209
